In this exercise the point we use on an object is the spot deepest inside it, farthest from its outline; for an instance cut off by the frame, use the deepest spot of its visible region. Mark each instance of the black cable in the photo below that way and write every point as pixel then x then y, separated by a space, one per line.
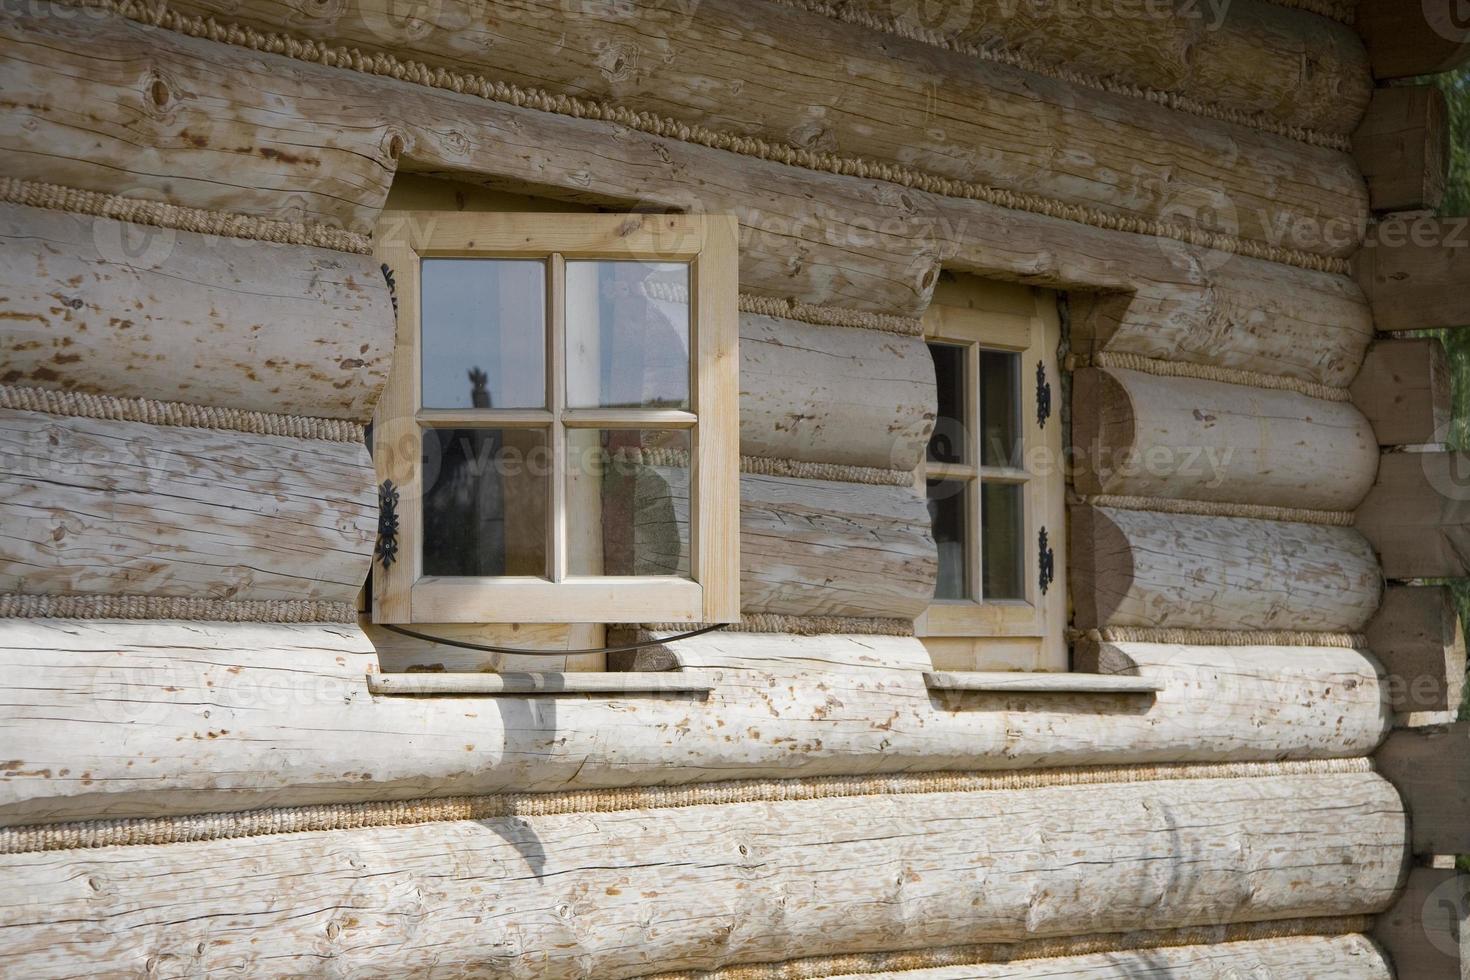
pixel 484 648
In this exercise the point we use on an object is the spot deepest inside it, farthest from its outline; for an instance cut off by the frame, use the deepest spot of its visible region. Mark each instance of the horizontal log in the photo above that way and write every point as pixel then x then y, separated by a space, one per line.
pixel 124 508
pixel 1422 932
pixel 1431 769
pixel 1244 57
pixel 1416 635
pixel 1142 568
pixel 1415 271
pixel 633 892
pixel 1403 43
pixel 719 68
pixel 220 716
pixel 1140 434
pixel 526 683
pixel 1404 390
pixel 1038 682
pixel 833 394
pixel 130 311
pixel 1403 148
pixel 1350 957
pixel 1417 515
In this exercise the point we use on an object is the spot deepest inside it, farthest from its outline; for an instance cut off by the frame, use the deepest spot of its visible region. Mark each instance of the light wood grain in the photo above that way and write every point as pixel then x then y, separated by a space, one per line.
pixel 1143 435
pixel 634 892
pixel 112 308
pixel 1404 390
pixel 126 508
pixel 1416 635
pixel 110 719
pixel 1415 271
pixel 1402 147
pixel 1141 568
pixel 1417 515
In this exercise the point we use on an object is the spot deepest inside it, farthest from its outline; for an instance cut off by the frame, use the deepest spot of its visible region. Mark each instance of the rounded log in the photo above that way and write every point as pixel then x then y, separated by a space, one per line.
pixel 833 394
pixel 1143 568
pixel 1138 434
pixel 291 720
pixel 112 308
pixel 103 507
pixel 632 892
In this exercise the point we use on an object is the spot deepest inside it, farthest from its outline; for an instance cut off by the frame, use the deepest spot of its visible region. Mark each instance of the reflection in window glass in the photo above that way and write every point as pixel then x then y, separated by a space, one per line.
pixel 627 335
pixel 947 516
pixel 473 479
pixel 1002 536
pixel 484 333
pixel 947 444
pixel 628 502
pixel 1000 409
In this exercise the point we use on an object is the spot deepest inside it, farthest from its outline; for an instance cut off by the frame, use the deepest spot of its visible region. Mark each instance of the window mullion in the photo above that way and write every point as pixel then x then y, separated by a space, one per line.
pixel 556 401
pixel 974 551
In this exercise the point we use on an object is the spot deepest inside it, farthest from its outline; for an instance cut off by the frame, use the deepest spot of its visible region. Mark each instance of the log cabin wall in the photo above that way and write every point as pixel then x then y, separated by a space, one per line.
pixel 199 334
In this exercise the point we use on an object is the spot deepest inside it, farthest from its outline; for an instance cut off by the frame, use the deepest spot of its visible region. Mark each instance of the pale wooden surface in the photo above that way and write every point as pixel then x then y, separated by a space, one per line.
pixel 1036 682
pixel 125 508
pixel 1415 270
pixel 722 66
pixel 1143 435
pixel 1416 634
pixel 130 719
pixel 1417 515
pixel 1421 931
pixel 1246 56
pixel 403 653
pixel 1141 568
pixel 633 892
pixel 1403 43
pixel 118 309
pixel 1404 390
pixel 525 683
pixel 1402 147
pixel 1350 957
pixel 1431 768
pixel 833 394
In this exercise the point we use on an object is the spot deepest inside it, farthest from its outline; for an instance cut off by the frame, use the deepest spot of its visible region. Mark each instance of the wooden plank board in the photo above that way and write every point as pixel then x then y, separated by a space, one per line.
pixel 1416 634
pixel 112 308
pixel 124 508
pixel 114 719
pixel 1404 390
pixel 634 892
pixel 1143 568
pixel 1403 148
pixel 1415 271
pixel 1431 768
pixel 1417 515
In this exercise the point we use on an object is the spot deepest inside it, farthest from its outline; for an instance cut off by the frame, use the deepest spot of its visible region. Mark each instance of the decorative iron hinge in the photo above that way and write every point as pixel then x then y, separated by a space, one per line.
pixel 392 286
pixel 1043 395
pixel 387 547
pixel 1047 564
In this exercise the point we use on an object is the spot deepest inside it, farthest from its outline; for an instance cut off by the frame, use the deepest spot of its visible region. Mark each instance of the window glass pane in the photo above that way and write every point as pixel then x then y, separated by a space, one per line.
pixel 947 444
pixel 485 500
pixel 484 333
pixel 1002 538
pixel 627 502
pixel 1000 408
pixel 627 335
pixel 947 509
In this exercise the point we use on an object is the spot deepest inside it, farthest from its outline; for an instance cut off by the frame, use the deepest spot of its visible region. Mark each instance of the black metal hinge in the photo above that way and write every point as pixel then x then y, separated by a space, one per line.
pixel 387 547
pixel 1046 564
pixel 1043 395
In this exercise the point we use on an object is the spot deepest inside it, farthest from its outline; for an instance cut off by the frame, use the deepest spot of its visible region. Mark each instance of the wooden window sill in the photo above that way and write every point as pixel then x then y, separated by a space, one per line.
pixel 1039 683
pixel 549 683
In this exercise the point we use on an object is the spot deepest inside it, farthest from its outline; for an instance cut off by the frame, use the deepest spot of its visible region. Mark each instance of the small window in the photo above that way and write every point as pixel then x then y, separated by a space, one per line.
pixel 994 479
pixel 561 420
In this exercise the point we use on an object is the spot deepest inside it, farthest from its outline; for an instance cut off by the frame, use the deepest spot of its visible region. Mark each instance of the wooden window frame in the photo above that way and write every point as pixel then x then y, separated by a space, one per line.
pixel 1027 634
pixel 401 592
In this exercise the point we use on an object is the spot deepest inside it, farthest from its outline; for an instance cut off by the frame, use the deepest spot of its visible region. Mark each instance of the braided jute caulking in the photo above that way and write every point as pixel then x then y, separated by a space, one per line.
pixel 1210 508
pixel 1221 638
pixel 225 224
pixel 800 625
pixel 14 606
pixel 1209 372
pixel 397 813
pixel 183 414
pixel 1051 69
pixel 830 316
pixel 897 963
pixel 158 14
